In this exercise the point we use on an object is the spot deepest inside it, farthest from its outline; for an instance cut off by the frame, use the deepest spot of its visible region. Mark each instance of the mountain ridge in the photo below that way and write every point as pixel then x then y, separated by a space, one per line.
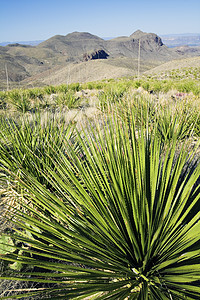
pixel 163 36
pixel 25 62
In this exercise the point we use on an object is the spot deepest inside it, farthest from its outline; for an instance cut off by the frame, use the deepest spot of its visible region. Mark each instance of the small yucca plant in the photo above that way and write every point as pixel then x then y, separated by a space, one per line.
pixel 171 124
pixel 122 223
pixel 19 101
pixel 32 141
pixel 29 144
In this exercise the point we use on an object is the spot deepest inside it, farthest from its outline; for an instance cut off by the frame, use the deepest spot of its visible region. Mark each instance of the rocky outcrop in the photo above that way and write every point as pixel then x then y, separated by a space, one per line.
pixel 98 54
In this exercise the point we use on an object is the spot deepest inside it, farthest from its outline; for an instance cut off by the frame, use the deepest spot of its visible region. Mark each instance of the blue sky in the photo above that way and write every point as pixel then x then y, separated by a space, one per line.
pixel 27 20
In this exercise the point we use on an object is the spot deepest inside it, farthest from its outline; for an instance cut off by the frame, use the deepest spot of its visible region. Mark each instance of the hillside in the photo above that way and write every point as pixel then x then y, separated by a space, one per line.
pixel 183 68
pixel 64 58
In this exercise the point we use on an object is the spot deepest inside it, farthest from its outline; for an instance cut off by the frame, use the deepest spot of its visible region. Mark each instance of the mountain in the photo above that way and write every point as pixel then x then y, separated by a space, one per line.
pixel 76 44
pixel 73 45
pixel 63 57
pixel 30 43
pixel 188 50
pixel 151 47
pixel 176 40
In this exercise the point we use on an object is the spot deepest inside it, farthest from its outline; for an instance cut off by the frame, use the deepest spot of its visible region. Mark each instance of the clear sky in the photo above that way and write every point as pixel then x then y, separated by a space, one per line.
pixel 29 20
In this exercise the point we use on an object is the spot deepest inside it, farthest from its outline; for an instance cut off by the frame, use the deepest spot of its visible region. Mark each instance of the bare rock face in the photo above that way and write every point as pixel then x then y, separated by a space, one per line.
pixel 148 37
pixel 98 54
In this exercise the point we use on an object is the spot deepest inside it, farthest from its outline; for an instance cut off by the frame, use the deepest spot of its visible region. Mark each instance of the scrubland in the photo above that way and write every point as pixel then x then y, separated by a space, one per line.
pixel 100 189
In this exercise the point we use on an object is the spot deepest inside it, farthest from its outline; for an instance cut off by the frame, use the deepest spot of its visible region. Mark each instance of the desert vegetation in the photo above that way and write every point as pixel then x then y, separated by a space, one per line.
pixel 100 190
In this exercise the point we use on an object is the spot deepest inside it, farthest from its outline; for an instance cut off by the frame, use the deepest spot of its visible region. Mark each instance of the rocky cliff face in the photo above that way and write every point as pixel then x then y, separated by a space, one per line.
pixel 98 54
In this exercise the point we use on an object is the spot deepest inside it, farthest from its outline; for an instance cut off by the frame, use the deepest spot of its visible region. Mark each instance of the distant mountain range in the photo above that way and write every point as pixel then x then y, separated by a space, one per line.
pixel 170 40
pixel 81 56
pixel 175 40
pixel 31 43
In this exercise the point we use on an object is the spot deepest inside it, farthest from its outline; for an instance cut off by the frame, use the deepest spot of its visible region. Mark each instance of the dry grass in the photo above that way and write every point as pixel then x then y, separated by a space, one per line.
pixel 178 64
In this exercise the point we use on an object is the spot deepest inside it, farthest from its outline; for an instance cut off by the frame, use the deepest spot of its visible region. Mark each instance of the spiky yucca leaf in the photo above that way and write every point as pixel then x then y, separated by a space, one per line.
pixel 123 222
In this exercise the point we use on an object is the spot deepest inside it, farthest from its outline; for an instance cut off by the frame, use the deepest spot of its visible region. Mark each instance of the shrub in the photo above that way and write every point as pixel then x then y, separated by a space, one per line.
pixel 76 87
pixel 63 88
pixel 112 94
pixel 137 84
pixel 31 143
pixel 146 85
pixel 49 90
pixel 34 94
pixel 19 101
pixel 3 100
pixel 67 99
pixel 173 124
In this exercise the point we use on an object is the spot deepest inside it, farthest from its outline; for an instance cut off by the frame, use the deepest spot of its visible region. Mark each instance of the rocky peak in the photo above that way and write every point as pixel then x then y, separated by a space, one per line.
pixel 137 34
pixel 146 37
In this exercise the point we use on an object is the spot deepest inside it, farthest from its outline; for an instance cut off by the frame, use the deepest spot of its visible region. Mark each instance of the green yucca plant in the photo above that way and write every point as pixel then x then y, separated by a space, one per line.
pixel 67 99
pixel 112 94
pixel 3 100
pixel 31 143
pixel 19 101
pixel 174 123
pixel 122 223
